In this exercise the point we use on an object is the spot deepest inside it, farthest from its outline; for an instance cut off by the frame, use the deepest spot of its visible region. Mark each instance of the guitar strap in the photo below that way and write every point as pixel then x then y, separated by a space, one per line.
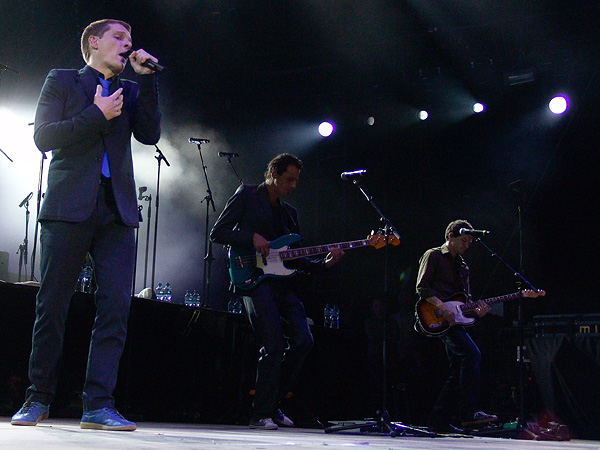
pixel 291 224
pixel 463 271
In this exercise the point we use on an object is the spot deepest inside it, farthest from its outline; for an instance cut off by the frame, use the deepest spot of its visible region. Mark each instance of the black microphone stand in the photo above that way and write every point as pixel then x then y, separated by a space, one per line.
pixel 160 157
pixel 520 357
pixel 147 198
pixel 37 216
pixel 208 258
pixel 381 422
pixel 135 254
pixel 4 153
pixel 233 168
pixel 4 67
pixel 147 241
pixel 517 193
pixel 22 251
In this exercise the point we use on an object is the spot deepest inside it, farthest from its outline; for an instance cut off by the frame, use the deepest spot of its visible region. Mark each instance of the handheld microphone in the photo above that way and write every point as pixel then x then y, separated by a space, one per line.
pixel 228 155
pixel 148 63
pixel 198 141
pixel 142 189
pixel 476 233
pixel 354 174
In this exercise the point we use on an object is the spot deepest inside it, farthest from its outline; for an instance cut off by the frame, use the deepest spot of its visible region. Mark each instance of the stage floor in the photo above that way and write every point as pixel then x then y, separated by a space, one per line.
pixel 60 434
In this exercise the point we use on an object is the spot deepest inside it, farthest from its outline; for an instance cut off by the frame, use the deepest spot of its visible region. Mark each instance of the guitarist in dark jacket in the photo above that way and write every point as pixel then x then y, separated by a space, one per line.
pixel 252 217
pixel 442 273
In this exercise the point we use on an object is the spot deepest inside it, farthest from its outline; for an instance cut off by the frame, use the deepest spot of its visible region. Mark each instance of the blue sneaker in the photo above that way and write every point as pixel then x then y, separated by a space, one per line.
pixel 30 414
pixel 106 419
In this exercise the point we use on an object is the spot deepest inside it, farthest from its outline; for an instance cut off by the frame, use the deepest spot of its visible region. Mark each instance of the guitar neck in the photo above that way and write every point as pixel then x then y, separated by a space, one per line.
pixel 491 301
pixel 294 253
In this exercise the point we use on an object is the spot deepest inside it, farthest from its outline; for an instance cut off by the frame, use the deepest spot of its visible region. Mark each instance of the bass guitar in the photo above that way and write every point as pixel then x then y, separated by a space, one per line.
pixel 429 320
pixel 247 267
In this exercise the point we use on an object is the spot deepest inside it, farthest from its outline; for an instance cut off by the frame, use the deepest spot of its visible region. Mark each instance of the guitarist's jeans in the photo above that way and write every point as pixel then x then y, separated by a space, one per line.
pixel 464 378
pixel 279 322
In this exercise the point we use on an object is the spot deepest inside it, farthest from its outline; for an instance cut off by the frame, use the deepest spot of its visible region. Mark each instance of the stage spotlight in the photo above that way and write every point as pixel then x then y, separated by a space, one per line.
pixel 558 105
pixel 325 129
pixel 478 107
pixel 423 115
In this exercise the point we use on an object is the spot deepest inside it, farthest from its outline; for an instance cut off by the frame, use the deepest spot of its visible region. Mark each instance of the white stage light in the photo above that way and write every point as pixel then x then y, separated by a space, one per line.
pixel 558 105
pixel 325 129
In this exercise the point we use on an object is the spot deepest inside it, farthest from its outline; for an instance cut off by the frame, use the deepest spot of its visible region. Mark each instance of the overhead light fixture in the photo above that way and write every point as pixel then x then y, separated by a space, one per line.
pixel 558 105
pixel 325 129
pixel 518 77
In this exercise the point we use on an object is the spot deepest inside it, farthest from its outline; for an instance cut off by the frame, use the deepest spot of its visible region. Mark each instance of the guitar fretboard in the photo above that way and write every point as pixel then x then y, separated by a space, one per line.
pixel 491 301
pixel 293 253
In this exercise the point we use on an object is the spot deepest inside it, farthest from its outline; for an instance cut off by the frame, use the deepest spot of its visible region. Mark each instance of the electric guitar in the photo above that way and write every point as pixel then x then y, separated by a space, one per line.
pixel 247 267
pixel 429 320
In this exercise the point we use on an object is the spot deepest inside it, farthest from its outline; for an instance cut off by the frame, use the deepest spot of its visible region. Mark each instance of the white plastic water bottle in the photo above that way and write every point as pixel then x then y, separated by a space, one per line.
pixel 239 305
pixel 327 316
pixel 335 317
pixel 159 291
pixel 231 304
pixel 168 293
pixel 84 283
pixel 188 299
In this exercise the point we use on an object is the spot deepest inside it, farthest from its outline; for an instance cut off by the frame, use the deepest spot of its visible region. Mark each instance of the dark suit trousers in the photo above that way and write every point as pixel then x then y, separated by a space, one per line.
pixel 279 322
pixel 64 246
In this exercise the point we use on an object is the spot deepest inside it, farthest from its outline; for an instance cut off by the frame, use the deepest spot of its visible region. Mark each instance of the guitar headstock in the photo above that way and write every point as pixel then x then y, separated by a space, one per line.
pixel 378 240
pixel 530 293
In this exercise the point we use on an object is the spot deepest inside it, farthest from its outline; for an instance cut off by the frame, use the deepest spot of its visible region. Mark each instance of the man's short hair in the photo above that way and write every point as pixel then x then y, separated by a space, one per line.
pixel 280 163
pixel 455 226
pixel 97 28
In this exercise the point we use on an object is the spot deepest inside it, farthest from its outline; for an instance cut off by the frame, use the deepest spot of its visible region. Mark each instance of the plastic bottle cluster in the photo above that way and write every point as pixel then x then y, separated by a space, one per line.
pixel 164 293
pixel 192 298
pixel 331 317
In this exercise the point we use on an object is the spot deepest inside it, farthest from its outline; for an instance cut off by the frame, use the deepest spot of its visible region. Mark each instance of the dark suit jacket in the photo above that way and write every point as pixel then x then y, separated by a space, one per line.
pixel 68 123
pixel 247 212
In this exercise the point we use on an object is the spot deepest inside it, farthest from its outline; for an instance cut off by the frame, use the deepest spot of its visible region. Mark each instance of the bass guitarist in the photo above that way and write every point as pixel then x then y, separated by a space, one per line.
pixel 252 217
pixel 443 272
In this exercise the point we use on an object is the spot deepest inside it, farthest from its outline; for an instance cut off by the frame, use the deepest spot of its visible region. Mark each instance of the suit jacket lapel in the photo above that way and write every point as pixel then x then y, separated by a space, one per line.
pixel 89 80
pixel 265 206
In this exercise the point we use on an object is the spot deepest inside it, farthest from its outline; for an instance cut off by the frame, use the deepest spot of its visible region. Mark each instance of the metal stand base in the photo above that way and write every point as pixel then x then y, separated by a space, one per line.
pixel 380 424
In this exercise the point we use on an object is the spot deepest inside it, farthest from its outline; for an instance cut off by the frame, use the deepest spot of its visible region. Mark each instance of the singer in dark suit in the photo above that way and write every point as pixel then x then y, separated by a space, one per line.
pixel 86 118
